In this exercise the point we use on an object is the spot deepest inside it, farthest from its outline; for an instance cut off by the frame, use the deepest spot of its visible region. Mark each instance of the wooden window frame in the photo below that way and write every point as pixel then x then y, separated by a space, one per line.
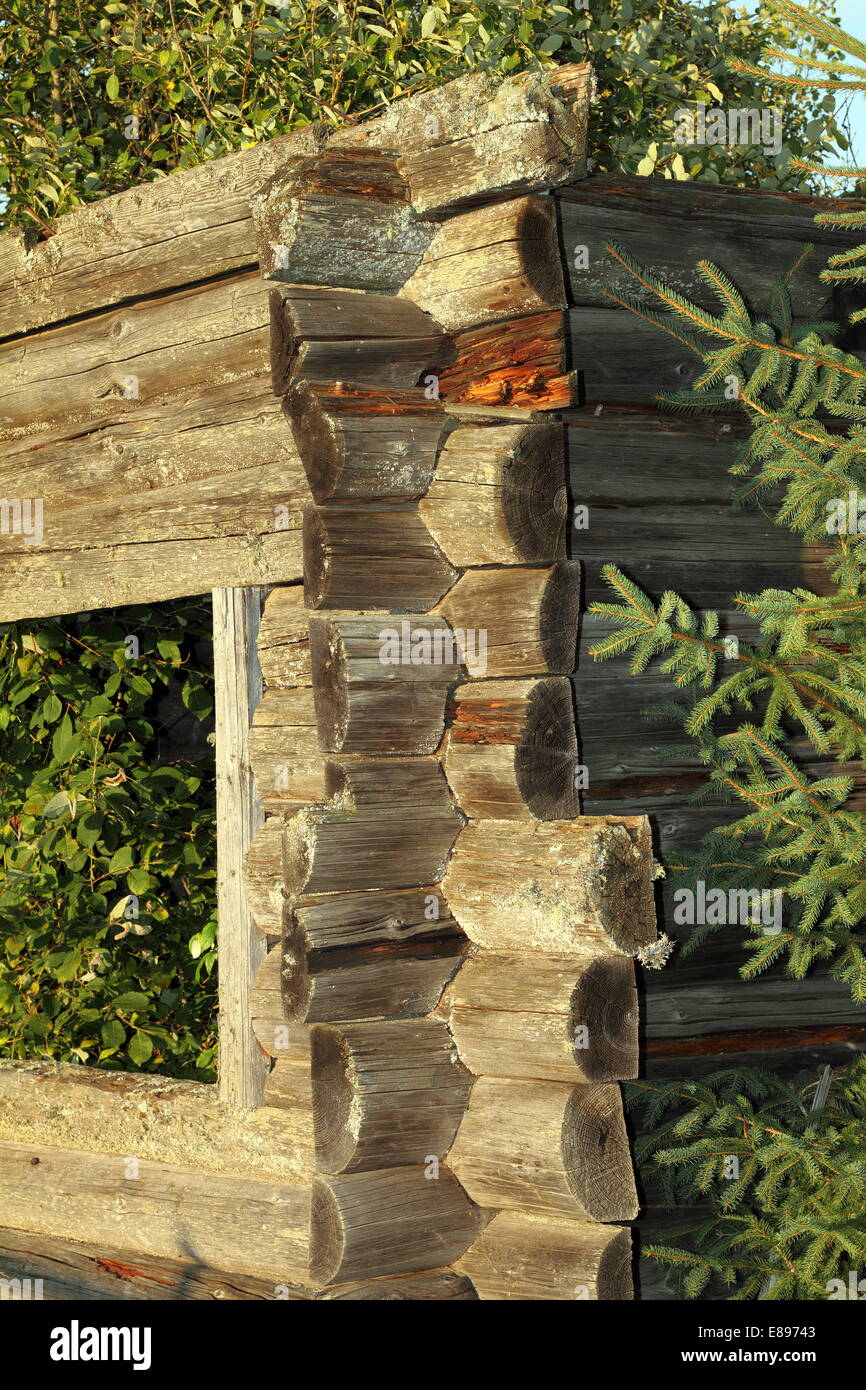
pixel 198 1170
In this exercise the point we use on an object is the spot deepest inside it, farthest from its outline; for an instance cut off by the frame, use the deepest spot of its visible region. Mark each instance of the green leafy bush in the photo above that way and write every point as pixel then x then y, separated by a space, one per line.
pixel 107 834
pixel 96 97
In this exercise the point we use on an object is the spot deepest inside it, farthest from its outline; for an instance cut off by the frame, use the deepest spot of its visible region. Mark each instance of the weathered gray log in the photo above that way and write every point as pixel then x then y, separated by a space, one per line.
pixel 154 237
pixel 362 445
pixel 546 1149
pixel 288 769
pixel 333 921
pixel 523 1257
pixel 520 363
pixel 369 954
pixel 492 263
pixel 530 1014
pixel 381 683
pixel 50 584
pixel 511 751
pixel 437 1286
pixel 248 1224
pixel 283 642
pixel 498 495
pixel 219 429
pixel 346 336
pixel 395 1221
pixel 484 135
pixel 289 1042
pixel 392 825
pixel 385 1095
pixel 156 1118
pixel 517 621
pixel 263 881
pixel 158 349
pixel 582 887
pixel 670 226
pixel 372 557
pixel 340 218
pixel 65 1271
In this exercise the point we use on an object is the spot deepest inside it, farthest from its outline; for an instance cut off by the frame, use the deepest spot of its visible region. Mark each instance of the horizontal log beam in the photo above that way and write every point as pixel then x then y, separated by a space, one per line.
pixel 379 687
pixel 77 1272
pixel 521 1257
pixel 546 1149
pixel 498 495
pixel 517 621
pixel 493 263
pixel 483 135
pixel 237 1223
pixel 151 351
pixel 534 1015
pixel 392 826
pixel 154 1117
pixel 385 1094
pixel 364 445
pixel 582 886
pixel 365 557
pixel 511 751
pixel 396 1221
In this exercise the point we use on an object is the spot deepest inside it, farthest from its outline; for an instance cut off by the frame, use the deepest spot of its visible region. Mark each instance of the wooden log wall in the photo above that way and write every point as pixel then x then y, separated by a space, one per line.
pixel 457 941
pixel 398 429
pixel 657 491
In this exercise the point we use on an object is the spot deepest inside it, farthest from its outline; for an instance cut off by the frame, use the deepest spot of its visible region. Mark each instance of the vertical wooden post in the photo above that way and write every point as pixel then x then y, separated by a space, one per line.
pixel 242 1065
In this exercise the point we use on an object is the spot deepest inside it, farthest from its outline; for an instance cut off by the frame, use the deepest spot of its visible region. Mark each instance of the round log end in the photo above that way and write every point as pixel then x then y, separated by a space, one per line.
pixel 316 561
pixel 614 1281
pixel 298 835
pixel 559 618
pixel 327 1234
pixel 546 759
pixel 333 1093
pixel 538 240
pixel 596 1154
pixel 605 1004
pixel 626 902
pixel 296 988
pixel 317 440
pixel 534 498
pixel 330 684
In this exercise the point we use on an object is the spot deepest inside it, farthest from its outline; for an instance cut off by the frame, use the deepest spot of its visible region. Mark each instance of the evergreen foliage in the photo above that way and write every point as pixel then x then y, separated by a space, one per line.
pixel 779 1185
pixel 804 676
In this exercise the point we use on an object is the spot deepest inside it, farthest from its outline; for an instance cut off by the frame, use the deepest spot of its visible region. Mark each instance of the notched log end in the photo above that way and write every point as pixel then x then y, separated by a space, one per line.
pixel 605 1004
pixel 559 618
pixel 535 500
pixel 336 1114
pixel 623 883
pixel 327 1234
pixel 330 684
pixel 596 1154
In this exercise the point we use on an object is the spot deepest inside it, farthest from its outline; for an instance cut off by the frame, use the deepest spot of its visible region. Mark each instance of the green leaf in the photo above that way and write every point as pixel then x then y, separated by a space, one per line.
pixel 65 740
pixel 113 1034
pixel 57 806
pixel 121 860
pixel 90 828
pixel 112 87
pixel 139 880
pixel 130 1002
pixel 140 1048
pixel 51 708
